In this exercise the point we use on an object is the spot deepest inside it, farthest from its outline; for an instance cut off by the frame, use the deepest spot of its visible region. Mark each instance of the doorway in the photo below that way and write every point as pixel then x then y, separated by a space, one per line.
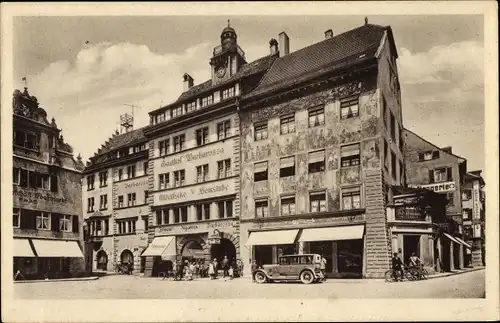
pixel 102 260
pixel 263 255
pixel 192 250
pixel 411 244
pixel 224 248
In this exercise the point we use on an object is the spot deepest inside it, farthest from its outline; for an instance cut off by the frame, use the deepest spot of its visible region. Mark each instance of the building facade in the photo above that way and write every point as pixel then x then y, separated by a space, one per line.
pixel 439 170
pixel 47 215
pixel 473 208
pixel 115 196
pixel 321 147
pixel 194 157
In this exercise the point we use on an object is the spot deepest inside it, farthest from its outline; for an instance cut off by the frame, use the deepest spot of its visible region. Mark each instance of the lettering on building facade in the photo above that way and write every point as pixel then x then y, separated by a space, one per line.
pixel 204 227
pixel 33 197
pixel 201 191
pixel 308 222
pixel 476 205
pixel 194 156
pixel 438 187
pixel 136 184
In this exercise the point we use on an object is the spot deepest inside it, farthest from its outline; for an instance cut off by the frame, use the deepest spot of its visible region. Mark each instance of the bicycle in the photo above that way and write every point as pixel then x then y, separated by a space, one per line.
pixel 418 272
pixel 390 275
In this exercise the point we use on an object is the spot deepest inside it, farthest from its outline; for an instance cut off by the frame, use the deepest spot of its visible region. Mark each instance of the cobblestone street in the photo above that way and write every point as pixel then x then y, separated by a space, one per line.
pixel 466 285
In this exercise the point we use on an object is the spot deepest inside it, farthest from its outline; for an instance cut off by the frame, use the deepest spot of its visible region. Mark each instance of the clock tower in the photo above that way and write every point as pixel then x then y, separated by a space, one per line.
pixel 228 57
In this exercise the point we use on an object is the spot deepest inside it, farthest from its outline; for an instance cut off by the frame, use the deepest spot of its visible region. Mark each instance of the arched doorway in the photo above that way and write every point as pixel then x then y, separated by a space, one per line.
pixel 224 248
pixel 192 250
pixel 102 260
pixel 127 257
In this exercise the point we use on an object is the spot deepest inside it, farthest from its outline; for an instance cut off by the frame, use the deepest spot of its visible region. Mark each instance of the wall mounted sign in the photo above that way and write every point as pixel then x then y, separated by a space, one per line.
pixel 195 192
pixel 34 197
pixel 309 222
pixel 136 184
pixel 438 187
pixel 203 227
pixel 476 205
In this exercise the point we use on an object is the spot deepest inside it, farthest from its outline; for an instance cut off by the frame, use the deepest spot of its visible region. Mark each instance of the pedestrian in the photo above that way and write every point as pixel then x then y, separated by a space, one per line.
pixel 397 266
pixel 180 269
pixel 254 269
pixel 188 273
pixel 225 266
pixel 192 269
pixel 174 270
pixel 216 267
pixel 231 273
pixel 211 270
pixel 323 267
pixel 197 269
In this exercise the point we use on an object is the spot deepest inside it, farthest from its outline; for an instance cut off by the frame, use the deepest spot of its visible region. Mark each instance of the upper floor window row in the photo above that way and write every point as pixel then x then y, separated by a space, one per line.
pixel 26 139
pixel 29 179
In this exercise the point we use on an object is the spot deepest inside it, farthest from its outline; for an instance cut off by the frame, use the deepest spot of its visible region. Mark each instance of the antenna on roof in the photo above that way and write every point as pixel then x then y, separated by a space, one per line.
pixel 366 20
pixel 127 120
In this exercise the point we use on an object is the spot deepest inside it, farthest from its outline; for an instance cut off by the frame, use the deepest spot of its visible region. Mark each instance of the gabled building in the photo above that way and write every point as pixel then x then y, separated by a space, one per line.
pixel 115 195
pixel 194 161
pixel 321 146
pixel 47 214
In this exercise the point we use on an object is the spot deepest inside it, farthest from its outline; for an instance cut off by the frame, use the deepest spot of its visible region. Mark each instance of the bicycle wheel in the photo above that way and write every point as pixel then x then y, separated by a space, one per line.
pixel 424 273
pixel 389 276
pixel 409 275
pixel 162 275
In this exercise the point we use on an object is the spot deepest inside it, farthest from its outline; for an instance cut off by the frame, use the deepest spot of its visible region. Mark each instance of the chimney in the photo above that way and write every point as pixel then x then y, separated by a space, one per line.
pixel 328 34
pixel 273 46
pixel 188 82
pixel 446 149
pixel 284 43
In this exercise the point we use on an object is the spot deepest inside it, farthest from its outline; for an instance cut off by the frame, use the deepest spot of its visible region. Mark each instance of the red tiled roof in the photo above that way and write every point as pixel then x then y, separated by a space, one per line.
pixel 356 44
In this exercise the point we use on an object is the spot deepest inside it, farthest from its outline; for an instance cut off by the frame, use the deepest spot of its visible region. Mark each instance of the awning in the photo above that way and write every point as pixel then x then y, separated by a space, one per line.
pixel 287 162
pixel 451 238
pixel 272 237
pixel 349 150
pixel 463 243
pixel 351 232
pixel 22 248
pixel 260 167
pixel 57 248
pixel 161 246
pixel 316 156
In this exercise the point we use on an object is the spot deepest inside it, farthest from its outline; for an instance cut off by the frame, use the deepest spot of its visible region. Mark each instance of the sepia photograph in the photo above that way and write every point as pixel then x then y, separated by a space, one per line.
pixel 176 153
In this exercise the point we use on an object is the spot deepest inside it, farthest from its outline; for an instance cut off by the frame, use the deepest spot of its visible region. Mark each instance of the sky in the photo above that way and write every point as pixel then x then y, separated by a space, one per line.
pixel 85 71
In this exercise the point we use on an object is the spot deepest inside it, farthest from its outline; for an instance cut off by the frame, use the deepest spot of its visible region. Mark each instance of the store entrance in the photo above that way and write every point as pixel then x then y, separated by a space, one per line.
pixel 411 244
pixel 263 255
pixel 350 258
pixel 224 248
pixel 323 248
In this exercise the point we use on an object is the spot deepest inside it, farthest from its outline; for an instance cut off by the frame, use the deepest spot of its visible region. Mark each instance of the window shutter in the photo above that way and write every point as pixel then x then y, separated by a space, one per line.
pixel 76 224
pixel 24 220
pixel 431 176
pixel 54 222
pixel 449 174
pixel 53 183
pixel 24 178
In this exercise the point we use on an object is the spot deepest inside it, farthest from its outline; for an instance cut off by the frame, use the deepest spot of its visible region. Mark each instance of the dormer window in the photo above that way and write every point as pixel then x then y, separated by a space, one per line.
pixel 191 106
pixel 428 155
pixel 206 101
pixel 176 112
pixel 228 93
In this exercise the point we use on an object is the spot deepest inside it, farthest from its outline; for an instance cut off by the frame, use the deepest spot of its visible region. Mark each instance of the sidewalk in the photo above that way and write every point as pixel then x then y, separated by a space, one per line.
pixel 455 272
pixel 56 280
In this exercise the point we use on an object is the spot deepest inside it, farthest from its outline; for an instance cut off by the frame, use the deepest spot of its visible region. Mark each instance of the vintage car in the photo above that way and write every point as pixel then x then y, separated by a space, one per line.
pixel 306 268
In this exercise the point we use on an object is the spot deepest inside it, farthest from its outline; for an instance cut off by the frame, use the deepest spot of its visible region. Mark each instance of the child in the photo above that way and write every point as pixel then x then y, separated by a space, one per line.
pixel 231 273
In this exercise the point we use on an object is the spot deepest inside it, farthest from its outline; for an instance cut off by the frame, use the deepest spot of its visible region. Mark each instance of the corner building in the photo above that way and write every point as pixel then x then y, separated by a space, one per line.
pixel 320 149
pixel 194 157
pixel 47 214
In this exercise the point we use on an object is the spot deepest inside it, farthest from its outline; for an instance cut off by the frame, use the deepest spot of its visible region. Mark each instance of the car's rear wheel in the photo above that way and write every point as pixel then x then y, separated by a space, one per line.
pixel 260 277
pixel 306 277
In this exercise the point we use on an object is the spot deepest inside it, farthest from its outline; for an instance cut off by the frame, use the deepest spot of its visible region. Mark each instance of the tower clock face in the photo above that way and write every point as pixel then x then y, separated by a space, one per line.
pixel 220 72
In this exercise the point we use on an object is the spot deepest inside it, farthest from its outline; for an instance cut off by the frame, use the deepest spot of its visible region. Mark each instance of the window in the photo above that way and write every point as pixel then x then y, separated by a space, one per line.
pixel 90 182
pixel 287 166
pixel 203 211
pixel 202 136
pixel 316 117
pixel 202 173
pixel 65 223
pixel 40 181
pixel 146 195
pixel 126 226
pixel 120 174
pixel 349 108
pixel 260 131
pixel 349 155
pixel 393 165
pixel 164 181
pixel 386 154
pixel 393 127
pixel 145 166
pixel 103 179
pixel 16 218
pixel 103 203
pixel 428 155
pixel 179 143
pixel 225 209
pixel 131 171
pixel 401 143
pixel 351 199
pixel 208 100
pixel 191 106
pixel 23 178
pixel 317 202
pixel 316 161
pixel 224 168
pixel 467 214
pixel 440 175
pixel 131 199
pixel 180 214
pixel 177 112
pixel 120 201
pixel 288 205
pixel 90 204
pixel 450 198
pixel 164 147
pixel 162 217
pixel 401 171
pixel 384 110
pixel 287 124
pixel 466 194
pixel 16 176
pixel 146 223
pixel 43 221
pixel 228 93
pixel 28 140
pixel 106 227
pixel 179 178
pixel 261 208
pixel 223 129
pixel 260 172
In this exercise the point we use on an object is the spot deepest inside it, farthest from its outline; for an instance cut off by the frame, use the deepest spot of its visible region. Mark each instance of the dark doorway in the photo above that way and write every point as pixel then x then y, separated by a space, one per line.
pixel 445 255
pixel 127 257
pixel 263 255
pixel 224 248
pixel 350 258
pixel 411 244
pixel 102 260
pixel 323 248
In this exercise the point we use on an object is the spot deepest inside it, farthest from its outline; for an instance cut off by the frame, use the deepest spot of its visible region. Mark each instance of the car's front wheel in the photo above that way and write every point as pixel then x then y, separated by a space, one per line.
pixel 260 277
pixel 306 277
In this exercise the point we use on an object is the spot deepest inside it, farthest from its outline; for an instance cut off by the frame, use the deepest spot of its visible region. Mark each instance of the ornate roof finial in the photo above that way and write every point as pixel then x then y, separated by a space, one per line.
pixel 228 23
pixel 366 20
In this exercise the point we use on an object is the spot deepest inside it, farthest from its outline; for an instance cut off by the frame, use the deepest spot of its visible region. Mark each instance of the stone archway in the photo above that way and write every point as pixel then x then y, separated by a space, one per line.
pixel 102 260
pixel 185 240
pixel 228 246
pixel 127 257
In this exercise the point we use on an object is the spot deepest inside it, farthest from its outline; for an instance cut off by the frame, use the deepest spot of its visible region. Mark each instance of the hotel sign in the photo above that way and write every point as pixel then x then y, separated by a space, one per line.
pixel 195 192
pixel 438 187
pixel 199 227
pixel 191 156
pixel 476 205
pixel 34 197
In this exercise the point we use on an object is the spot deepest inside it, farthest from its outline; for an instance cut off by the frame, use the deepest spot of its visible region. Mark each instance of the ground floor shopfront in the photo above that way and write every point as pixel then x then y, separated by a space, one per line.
pixel 47 258
pixel 199 242
pixel 341 240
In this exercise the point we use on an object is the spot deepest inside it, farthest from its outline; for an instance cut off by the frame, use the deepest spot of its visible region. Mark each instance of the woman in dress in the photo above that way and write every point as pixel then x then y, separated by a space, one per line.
pixel 211 270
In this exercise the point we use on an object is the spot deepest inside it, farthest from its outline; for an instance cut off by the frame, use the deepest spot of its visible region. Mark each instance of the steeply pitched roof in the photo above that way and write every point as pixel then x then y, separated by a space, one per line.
pixel 430 143
pixel 357 44
pixel 122 140
pixel 248 69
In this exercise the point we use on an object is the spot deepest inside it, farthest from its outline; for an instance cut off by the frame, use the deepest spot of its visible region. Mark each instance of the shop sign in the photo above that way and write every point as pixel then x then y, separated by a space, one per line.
pixel 34 197
pixel 136 184
pixel 143 240
pixel 438 187
pixel 202 227
pixel 477 231
pixel 198 192
pixel 214 237
pixel 476 205
pixel 318 221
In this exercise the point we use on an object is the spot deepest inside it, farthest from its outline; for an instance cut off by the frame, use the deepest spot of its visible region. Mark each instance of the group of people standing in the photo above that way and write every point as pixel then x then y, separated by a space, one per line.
pixel 189 269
